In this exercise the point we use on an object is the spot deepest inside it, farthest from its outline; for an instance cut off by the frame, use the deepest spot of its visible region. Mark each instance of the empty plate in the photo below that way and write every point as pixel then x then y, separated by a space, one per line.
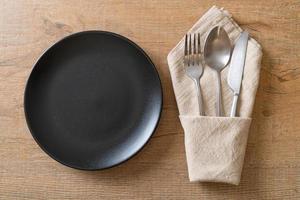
pixel 93 100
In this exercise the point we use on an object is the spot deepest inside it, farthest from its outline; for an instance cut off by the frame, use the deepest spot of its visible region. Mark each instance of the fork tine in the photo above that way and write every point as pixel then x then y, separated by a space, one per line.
pixel 190 44
pixel 186 58
pixel 185 45
pixel 199 48
pixel 199 45
pixel 194 49
pixel 195 44
pixel 190 49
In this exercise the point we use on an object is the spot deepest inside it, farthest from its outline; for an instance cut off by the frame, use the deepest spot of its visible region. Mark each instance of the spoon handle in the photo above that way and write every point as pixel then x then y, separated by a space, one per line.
pixel 219 106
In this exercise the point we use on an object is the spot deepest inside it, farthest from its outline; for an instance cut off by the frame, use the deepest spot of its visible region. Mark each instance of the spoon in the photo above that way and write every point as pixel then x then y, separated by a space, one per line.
pixel 217 53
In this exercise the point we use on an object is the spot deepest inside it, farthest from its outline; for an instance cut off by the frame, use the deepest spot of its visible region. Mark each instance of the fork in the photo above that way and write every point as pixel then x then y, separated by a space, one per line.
pixel 193 64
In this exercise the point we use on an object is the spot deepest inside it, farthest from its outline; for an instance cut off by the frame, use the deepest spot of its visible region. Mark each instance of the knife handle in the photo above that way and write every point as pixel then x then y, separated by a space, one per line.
pixel 234 105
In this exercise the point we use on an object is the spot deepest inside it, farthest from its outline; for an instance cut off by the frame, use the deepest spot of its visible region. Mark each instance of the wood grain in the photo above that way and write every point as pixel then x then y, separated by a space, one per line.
pixel 272 163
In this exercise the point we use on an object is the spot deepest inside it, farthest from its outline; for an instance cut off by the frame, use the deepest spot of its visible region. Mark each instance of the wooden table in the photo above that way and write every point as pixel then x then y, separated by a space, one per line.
pixel 272 163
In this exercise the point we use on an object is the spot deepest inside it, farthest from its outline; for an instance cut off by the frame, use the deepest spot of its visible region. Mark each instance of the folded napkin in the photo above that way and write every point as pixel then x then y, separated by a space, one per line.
pixel 215 146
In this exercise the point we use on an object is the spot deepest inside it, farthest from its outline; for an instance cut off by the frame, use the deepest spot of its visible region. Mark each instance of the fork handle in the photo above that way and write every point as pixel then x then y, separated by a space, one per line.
pixel 199 95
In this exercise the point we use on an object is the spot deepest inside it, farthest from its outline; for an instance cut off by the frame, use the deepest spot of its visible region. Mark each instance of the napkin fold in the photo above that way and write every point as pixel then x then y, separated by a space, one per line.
pixel 215 146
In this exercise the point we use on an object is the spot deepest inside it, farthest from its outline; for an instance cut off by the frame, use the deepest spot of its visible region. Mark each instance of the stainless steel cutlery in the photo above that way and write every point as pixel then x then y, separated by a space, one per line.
pixel 236 70
pixel 217 54
pixel 193 63
pixel 217 51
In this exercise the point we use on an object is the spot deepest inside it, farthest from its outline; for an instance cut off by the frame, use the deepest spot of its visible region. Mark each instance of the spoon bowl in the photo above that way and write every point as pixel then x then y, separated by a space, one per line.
pixel 217 49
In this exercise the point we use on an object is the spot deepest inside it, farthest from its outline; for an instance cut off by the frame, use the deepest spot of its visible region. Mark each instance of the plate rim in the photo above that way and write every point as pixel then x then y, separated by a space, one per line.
pixel 25 98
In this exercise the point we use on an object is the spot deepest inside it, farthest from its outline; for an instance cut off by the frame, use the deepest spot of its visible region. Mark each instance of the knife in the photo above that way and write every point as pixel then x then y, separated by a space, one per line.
pixel 235 72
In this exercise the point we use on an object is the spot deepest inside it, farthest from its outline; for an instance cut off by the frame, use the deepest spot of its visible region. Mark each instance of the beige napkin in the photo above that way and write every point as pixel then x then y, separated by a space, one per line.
pixel 215 146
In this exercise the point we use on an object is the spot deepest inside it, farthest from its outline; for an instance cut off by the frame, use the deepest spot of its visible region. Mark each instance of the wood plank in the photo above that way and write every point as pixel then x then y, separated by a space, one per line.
pixel 272 163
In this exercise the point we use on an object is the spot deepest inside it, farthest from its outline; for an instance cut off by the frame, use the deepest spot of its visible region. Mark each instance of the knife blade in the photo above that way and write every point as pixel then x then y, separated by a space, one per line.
pixel 236 69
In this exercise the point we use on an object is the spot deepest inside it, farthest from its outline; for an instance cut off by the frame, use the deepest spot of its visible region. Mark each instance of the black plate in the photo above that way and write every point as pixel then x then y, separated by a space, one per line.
pixel 93 100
